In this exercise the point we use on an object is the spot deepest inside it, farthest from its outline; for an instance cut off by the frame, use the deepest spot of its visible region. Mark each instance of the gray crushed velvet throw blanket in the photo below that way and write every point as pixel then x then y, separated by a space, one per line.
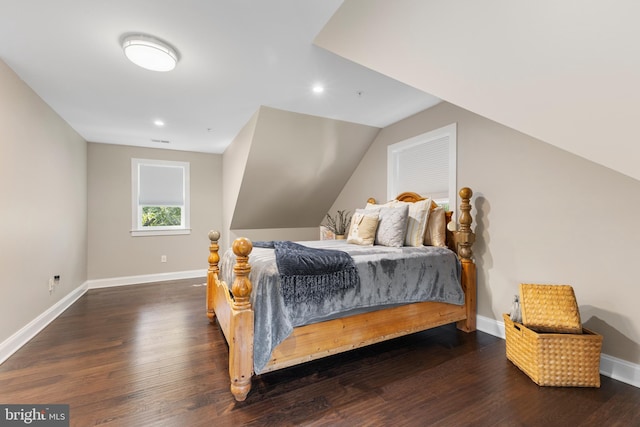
pixel 388 276
pixel 311 275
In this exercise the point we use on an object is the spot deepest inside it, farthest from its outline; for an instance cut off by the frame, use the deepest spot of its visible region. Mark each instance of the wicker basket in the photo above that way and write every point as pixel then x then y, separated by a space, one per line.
pixel 550 308
pixel 549 359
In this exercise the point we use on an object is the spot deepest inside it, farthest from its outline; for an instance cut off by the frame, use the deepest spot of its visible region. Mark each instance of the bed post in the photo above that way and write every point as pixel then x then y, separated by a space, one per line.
pixel 212 273
pixel 464 238
pixel 241 342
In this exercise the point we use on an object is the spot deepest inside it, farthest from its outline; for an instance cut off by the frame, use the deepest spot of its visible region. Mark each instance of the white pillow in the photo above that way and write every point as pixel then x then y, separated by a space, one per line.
pixel 392 225
pixel 417 221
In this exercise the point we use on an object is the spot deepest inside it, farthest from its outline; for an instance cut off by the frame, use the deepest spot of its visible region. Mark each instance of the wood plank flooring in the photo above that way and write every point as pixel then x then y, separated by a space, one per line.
pixel 146 355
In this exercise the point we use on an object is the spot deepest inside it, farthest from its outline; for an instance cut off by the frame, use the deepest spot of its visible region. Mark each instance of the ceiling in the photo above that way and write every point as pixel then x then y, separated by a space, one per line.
pixel 564 72
pixel 235 55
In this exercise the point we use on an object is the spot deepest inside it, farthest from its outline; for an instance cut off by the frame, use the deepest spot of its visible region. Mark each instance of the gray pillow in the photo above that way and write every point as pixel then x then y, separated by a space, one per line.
pixel 392 225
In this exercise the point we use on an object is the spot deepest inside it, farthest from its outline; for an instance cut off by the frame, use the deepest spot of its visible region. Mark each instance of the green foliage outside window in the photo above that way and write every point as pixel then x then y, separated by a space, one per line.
pixel 161 216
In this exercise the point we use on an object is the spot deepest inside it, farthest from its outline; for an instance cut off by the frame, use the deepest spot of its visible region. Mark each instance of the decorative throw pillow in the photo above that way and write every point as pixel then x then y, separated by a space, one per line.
pixel 392 225
pixel 435 234
pixel 363 228
pixel 416 222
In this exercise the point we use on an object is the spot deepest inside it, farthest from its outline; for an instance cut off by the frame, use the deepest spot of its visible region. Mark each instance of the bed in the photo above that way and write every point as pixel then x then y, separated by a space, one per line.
pixel 240 313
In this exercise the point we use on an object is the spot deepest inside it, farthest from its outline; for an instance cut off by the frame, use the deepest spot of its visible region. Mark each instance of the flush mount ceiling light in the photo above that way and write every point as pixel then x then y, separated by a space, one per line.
pixel 150 53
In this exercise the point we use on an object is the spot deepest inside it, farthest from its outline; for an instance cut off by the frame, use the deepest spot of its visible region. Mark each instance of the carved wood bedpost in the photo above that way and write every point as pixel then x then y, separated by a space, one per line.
pixel 464 238
pixel 212 273
pixel 241 345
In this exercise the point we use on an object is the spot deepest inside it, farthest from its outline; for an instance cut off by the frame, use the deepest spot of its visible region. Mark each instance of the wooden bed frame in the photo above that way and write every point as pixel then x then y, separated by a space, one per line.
pixel 310 342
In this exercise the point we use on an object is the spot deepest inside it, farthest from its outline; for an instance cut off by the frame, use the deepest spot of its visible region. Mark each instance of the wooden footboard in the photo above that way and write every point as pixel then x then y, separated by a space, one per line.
pixel 322 339
pixel 306 343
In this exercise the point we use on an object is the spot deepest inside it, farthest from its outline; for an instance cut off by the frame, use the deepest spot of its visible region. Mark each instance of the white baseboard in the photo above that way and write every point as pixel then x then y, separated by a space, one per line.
pixel 21 337
pixel 146 278
pixel 490 326
pixel 620 370
pixel 610 366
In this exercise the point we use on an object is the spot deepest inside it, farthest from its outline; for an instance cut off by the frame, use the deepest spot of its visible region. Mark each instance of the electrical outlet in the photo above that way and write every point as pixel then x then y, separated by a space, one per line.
pixel 163 258
pixel 51 285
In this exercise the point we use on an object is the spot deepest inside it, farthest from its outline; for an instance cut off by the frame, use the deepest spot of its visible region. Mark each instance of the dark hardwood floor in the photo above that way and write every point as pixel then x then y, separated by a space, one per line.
pixel 146 355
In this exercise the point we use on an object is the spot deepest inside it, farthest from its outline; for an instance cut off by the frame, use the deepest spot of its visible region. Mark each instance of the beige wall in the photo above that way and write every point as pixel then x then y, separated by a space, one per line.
pixel 113 252
pixel 235 160
pixel 542 215
pixel 43 231
pixel 284 170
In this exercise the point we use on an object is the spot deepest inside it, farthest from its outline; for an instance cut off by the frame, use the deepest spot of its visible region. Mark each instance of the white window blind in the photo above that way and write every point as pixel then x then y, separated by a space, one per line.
pixel 161 185
pixel 424 164
pixel 424 167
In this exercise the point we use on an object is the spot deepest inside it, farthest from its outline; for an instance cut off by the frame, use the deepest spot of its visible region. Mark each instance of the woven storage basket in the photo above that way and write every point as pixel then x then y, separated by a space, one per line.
pixel 567 360
pixel 550 308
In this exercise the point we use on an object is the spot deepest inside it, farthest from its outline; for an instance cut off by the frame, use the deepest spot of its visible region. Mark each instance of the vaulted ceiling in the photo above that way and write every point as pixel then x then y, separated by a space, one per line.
pixel 567 73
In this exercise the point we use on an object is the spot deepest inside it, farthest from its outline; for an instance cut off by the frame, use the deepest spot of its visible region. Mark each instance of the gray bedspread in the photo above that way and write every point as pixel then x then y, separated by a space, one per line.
pixel 388 276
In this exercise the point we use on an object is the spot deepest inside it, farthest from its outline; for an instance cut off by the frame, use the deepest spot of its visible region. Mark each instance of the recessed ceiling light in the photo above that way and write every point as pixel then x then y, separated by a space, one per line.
pixel 150 53
pixel 158 122
pixel 318 88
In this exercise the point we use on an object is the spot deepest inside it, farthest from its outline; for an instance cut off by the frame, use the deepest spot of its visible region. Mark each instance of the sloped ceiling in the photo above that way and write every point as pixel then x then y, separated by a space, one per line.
pixel 296 166
pixel 567 73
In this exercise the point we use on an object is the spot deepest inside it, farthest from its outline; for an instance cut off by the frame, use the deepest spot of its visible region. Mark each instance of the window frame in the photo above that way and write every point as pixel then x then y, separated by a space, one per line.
pixel 393 168
pixel 137 229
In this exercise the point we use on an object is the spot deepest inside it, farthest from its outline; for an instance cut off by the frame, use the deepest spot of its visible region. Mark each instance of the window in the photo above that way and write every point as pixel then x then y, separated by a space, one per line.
pixel 160 197
pixel 425 164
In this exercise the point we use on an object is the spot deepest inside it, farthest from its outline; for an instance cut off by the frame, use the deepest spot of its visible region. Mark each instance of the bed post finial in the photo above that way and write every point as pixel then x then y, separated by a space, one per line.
pixel 241 288
pixel 464 236
pixel 212 273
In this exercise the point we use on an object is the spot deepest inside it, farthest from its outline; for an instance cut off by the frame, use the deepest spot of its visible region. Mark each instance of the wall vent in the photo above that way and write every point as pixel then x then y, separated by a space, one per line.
pixel 161 141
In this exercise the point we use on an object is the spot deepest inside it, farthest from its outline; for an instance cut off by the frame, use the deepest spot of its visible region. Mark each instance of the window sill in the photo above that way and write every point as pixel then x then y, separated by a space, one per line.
pixel 143 233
